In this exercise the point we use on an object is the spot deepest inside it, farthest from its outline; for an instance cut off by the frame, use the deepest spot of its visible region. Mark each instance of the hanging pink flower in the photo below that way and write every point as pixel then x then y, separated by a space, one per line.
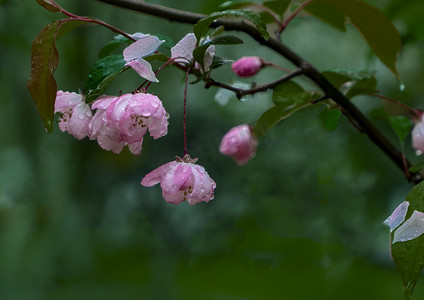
pixel 247 66
pixel 418 135
pixel 182 180
pixel 239 143
pixel 182 52
pixel 134 53
pixel 75 113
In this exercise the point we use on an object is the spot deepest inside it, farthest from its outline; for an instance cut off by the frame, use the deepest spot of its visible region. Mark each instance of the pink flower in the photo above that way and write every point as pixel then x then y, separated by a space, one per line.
pixel 418 136
pixel 76 114
pixel 134 53
pixel 239 143
pixel 247 66
pixel 182 52
pixel 124 120
pixel 182 180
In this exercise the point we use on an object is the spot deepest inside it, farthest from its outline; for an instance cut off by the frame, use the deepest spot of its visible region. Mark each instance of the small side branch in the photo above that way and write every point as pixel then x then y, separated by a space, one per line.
pixel 260 88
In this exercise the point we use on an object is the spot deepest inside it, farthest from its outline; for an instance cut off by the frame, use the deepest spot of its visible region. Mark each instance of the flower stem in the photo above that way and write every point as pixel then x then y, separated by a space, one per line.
pixel 294 14
pixel 185 112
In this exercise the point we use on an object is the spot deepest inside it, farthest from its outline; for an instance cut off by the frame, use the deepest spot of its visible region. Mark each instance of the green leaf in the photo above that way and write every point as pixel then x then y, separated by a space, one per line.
pixel 379 32
pixel 49 5
pixel 328 13
pixel 44 59
pixel 202 25
pixel 401 125
pixel 409 256
pixel 114 44
pixel 279 7
pixel 363 82
pixel 199 52
pixel 101 75
pixel 236 5
pixel 330 118
pixel 288 97
pixel 416 167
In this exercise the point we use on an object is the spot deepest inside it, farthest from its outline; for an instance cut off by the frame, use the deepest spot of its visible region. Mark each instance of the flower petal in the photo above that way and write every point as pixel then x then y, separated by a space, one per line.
pixel 143 68
pixel 411 229
pixel 146 45
pixel 157 174
pixel 398 216
pixel 65 101
pixel 183 50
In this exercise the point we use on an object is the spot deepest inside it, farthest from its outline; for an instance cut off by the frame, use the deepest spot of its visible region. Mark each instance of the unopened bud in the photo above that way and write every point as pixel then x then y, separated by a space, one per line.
pixel 247 66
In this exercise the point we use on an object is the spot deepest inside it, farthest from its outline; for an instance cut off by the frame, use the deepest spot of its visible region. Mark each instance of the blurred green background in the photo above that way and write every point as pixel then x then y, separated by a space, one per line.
pixel 302 220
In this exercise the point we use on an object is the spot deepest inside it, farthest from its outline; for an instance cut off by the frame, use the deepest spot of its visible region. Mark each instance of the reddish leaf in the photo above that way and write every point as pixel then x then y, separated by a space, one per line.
pixel 44 60
pixel 49 5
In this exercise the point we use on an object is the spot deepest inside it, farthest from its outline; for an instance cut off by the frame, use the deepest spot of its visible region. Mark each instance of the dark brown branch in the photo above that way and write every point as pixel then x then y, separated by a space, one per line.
pixel 354 115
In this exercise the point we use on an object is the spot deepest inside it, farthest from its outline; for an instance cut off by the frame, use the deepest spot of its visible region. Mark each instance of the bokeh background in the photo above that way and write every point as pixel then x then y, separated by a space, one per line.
pixel 302 220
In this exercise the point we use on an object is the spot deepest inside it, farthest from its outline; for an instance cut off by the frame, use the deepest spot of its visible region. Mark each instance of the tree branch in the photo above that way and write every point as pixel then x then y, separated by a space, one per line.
pixel 354 115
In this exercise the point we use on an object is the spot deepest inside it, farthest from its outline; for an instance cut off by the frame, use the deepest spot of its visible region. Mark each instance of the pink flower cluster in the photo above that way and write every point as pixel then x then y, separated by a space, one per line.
pixel 118 121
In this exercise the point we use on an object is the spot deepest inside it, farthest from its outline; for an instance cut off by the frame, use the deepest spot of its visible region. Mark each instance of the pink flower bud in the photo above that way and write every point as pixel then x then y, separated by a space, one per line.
pixel 418 136
pixel 247 66
pixel 76 114
pixel 182 180
pixel 239 143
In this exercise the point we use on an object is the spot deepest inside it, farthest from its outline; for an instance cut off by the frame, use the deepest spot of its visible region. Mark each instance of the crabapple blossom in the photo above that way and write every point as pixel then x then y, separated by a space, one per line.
pixel 182 52
pixel 75 113
pixel 124 120
pixel 134 53
pixel 247 66
pixel 239 143
pixel 418 135
pixel 181 180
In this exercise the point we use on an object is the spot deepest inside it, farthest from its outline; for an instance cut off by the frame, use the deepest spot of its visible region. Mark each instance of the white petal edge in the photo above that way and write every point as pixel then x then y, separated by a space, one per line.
pixel 411 229
pixel 397 216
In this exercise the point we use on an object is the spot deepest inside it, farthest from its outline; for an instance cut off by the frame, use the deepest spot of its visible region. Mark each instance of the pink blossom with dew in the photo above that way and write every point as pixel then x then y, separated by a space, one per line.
pixel 105 130
pixel 239 143
pixel 398 216
pixel 247 66
pixel 182 52
pixel 134 114
pixel 418 136
pixel 134 53
pixel 181 180
pixel 76 114
pixel 411 229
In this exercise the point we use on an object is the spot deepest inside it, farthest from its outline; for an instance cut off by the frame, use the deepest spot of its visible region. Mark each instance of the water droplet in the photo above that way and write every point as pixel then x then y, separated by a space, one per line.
pixel 418 152
pixel 81 116
pixel 402 87
pixel 244 98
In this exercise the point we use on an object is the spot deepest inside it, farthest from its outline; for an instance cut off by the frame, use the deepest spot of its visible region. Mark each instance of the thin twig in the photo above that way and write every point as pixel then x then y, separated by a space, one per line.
pixel 294 14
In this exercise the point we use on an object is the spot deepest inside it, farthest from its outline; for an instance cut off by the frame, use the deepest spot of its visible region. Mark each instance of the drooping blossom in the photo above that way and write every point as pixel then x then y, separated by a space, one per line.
pixel 239 143
pixel 411 229
pixel 181 180
pixel 124 120
pixel 418 135
pixel 75 113
pixel 182 52
pixel 134 53
pixel 397 216
pixel 247 66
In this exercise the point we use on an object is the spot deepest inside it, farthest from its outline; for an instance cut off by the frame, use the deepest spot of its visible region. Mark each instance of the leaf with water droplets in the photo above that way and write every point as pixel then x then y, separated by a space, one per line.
pixel 408 256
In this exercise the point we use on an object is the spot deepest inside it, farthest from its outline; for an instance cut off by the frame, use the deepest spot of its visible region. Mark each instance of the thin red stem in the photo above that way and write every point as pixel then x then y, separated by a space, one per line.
pixel 185 112
pixel 416 113
pixel 294 14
